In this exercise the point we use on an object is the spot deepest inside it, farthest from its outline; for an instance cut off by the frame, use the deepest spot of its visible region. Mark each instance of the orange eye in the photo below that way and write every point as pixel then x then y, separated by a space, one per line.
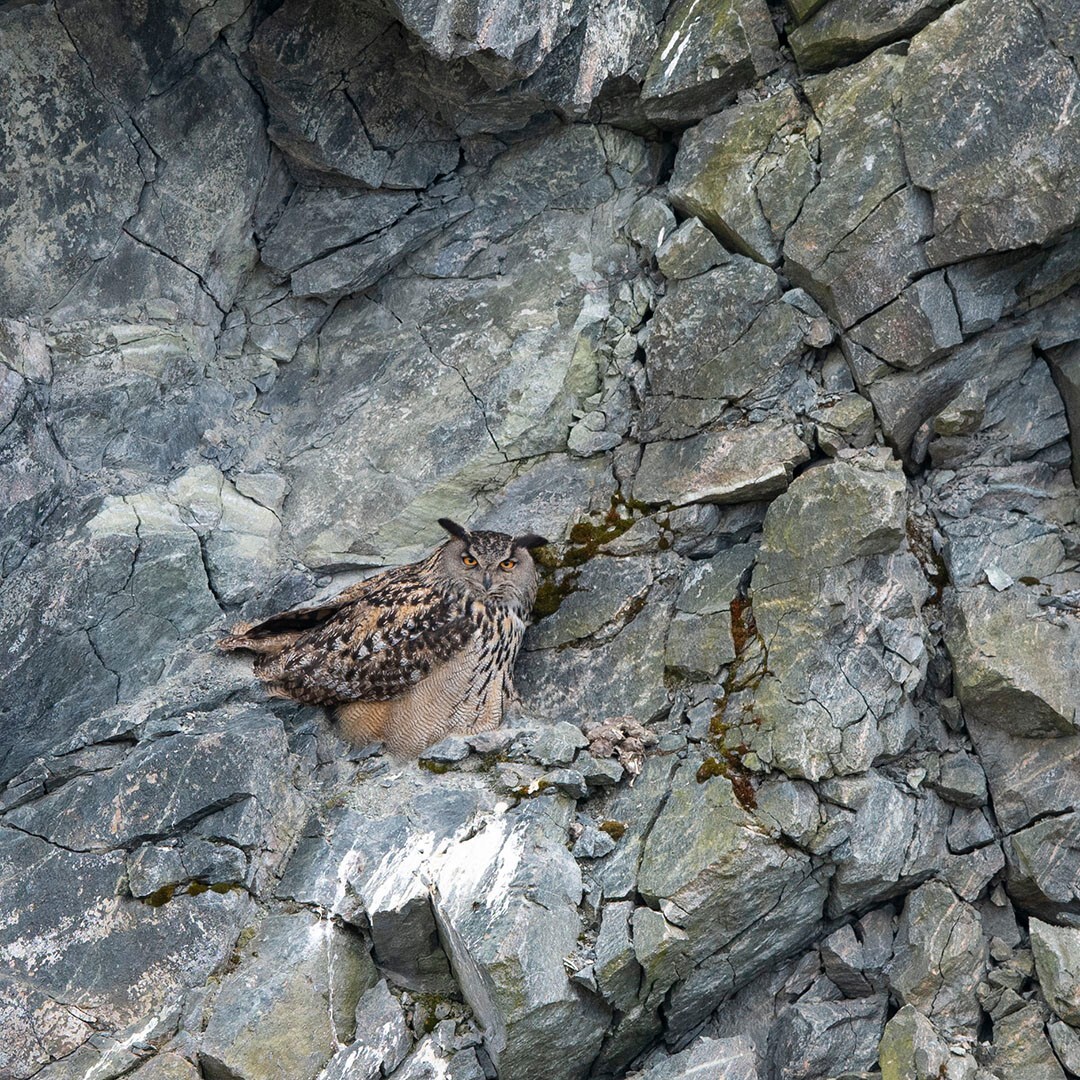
pixel 468 560
pixel 508 564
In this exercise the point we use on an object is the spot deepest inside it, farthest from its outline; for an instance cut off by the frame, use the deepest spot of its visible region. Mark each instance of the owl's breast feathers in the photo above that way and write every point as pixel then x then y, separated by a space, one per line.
pixel 373 643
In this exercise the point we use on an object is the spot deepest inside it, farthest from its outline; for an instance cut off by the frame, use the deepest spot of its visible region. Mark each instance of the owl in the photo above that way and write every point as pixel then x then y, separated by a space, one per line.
pixel 414 653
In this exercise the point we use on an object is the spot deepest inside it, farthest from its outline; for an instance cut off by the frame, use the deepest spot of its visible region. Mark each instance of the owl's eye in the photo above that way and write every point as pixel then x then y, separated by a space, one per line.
pixel 468 560
pixel 508 564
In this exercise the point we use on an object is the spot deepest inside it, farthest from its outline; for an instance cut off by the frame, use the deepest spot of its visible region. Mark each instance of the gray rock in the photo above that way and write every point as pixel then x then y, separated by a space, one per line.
pixel 1057 960
pixel 885 856
pixel 598 772
pixel 912 1050
pixel 618 973
pixel 293 281
pixel 705 55
pixel 962 780
pixel 812 720
pixel 567 781
pixel 151 794
pixel 1066 1044
pixel 318 221
pixel 447 752
pixel 1012 670
pixel 1065 367
pixel 370 870
pixel 557 744
pixel 847 30
pixel 563 684
pixel 844 961
pixel 1021 1049
pixel 741 148
pixel 847 422
pixel 380 1040
pixel 732 1058
pixel 649 223
pixel 357 267
pixel 605 593
pixel 50 237
pixel 941 955
pixel 688 251
pixel 821 1038
pixel 708 587
pixel 1040 873
pixel 507 908
pixel 266 1017
pixel 972 204
pixel 167 1066
pixel 963 415
pixel 592 844
pixel 699 645
pixel 919 326
pixel 696 869
pixel 398 142
pixel 630 814
pixel 701 349
pixel 858 240
pixel 736 465
pixel 141 958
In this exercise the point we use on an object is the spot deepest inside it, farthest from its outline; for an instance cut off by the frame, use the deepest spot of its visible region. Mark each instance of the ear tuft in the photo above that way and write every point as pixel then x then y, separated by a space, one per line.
pixel 454 529
pixel 529 540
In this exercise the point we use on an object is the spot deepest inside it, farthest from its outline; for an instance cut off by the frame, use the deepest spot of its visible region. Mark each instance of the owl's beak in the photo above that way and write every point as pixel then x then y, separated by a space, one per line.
pixel 487 582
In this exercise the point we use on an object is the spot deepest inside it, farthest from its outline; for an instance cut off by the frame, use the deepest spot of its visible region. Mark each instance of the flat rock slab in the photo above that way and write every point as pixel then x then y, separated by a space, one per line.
pixel 74 936
pixel 290 1005
pixel 1002 175
pixel 1013 669
pixel 506 901
pixel 733 1059
pixel 764 145
pixel 708 51
pixel 1057 960
pixel 730 466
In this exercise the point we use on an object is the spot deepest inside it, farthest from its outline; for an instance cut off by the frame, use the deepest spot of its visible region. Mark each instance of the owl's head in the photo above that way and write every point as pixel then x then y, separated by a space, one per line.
pixel 491 566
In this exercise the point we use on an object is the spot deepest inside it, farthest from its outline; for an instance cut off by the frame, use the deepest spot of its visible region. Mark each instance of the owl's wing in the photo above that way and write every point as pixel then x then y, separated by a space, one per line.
pixel 295 620
pixel 375 646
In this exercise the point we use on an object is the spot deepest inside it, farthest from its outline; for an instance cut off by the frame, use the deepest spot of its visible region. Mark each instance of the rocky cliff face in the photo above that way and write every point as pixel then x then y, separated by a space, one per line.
pixel 767 316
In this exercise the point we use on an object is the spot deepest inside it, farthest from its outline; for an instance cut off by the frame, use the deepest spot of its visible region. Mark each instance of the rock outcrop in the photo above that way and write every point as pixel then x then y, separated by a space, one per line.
pixel 769 317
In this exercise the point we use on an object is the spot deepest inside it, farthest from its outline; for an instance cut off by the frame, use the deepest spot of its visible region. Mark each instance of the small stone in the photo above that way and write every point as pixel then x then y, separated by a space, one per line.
pixel 690 250
pixel 585 976
pixel 599 772
pixel 452 749
pixel 568 781
pixel 962 780
pixel 671 742
pixel 593 844
pixel 557 744
pixel 496 741
pixel 153 867
pixel 963 414
pixel 998 578
pixel 518 778
pixel 650 223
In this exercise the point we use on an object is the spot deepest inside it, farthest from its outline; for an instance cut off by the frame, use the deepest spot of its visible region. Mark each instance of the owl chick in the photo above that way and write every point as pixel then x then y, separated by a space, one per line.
pixel 414 653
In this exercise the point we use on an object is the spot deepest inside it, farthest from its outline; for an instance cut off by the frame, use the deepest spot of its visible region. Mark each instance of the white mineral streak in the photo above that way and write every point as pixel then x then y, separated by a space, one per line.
pixel 111 1062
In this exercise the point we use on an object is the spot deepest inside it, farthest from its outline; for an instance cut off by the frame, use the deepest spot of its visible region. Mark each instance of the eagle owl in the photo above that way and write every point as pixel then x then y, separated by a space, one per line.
pixel 414 653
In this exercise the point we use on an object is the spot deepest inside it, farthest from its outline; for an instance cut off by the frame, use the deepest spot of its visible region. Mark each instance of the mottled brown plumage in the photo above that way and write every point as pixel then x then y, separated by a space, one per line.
pixel 414 653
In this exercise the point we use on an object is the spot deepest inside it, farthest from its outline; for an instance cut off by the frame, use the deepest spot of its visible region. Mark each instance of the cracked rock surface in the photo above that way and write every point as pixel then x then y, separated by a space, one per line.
pixel 766 314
